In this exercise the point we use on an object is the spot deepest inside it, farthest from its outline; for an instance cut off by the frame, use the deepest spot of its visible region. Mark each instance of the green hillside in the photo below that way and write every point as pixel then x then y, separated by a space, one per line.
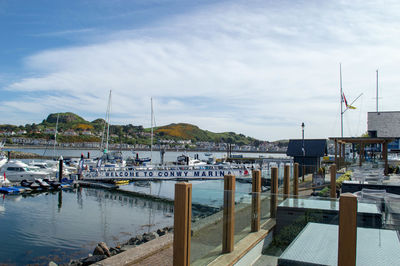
pixel 194 133
pixel 129 134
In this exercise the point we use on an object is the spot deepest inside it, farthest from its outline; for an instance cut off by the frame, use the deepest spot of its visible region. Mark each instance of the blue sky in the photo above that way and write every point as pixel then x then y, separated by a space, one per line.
pixel 259 68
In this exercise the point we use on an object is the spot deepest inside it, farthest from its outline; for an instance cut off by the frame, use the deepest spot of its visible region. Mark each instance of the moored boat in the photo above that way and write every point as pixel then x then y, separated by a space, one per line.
pixel 16 171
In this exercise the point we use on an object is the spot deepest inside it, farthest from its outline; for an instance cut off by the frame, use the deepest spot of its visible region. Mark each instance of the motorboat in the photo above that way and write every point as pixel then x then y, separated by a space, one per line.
pixel 50 167
pixel 3 159
pixel 16 171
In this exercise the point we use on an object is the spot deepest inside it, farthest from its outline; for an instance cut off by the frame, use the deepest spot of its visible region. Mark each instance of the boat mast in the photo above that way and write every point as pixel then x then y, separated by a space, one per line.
pixel 377 90
pixel 108 119
pixel 55 138
pixel 341 102
pixel 151 137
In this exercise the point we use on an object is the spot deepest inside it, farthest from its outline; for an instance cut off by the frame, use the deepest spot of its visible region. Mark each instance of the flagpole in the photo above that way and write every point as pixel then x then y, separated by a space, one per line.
pixel 377 90
pixel 341 101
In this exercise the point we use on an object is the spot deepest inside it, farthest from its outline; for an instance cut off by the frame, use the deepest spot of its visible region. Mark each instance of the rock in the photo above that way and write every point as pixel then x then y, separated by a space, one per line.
pixel 93 259
pixel 161 232
pixel 52 263
pixel 75 263
pixel 98 251
pixel 105 248
pixel 148 237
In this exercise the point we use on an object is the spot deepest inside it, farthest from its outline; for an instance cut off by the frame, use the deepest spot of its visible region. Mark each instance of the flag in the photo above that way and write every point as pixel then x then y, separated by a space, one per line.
pixel 345 102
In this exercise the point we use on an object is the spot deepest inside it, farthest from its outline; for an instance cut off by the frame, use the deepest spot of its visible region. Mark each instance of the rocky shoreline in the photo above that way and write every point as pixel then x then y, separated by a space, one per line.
pixel 102 252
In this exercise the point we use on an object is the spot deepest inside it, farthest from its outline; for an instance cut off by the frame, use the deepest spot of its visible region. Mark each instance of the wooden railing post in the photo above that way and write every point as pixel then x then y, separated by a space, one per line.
pixel 274 191
pixel 333 181
pixel 347 230
pixel 296 179
pixel 182 223
pixel 286 181
pixel 256 201
pixel 229 214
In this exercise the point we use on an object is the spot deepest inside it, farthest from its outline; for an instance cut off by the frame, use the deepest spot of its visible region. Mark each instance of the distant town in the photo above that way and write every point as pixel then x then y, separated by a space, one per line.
pixel 69 131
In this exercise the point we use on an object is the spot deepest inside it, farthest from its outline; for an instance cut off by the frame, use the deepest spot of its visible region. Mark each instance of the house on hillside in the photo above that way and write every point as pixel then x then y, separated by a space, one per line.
pixel 308 154
pixel 70 132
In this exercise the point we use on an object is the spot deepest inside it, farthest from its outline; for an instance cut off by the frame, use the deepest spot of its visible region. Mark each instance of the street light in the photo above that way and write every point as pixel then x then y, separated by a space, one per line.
pixel 304 151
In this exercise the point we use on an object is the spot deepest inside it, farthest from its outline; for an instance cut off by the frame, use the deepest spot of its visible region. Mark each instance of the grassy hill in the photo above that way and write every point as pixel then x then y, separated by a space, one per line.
pixel 126 133
pixel 194 133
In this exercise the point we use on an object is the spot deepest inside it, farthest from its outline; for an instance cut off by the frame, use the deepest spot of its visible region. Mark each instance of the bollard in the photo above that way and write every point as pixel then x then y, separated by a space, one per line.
pixel 274 191
pixel 296 179
pixel 60 169
pixel 286 182
pixel 8 156
pixel 256 201
pixel 347 230
pixel 304 172
pixel 333 181
pixel 229 214
pixel 182 224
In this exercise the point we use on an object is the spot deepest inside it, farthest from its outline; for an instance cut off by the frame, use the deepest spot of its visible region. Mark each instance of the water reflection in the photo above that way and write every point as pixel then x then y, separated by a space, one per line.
pixel 69 223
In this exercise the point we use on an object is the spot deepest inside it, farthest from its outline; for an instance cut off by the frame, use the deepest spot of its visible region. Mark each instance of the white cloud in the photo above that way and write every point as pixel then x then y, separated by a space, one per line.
pixel 257 68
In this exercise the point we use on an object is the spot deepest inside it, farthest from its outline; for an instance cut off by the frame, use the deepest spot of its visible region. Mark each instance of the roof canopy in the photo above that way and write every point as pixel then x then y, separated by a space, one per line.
pixel 362 140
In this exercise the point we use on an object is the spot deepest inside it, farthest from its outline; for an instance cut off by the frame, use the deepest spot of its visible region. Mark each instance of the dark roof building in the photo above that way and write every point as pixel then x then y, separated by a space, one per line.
pixel 314 149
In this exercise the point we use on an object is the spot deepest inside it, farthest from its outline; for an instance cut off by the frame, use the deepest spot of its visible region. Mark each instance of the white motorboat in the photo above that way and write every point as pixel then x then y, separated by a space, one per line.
pixel 3 159
pixel 50 168
pixel 16 171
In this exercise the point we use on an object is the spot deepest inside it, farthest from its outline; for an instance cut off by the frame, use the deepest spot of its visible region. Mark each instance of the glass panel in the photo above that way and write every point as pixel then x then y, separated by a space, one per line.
pixel 243 214
pixel 207 219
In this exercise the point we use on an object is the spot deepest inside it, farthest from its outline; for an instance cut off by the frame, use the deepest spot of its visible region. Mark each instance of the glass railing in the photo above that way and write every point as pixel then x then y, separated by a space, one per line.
pixel 294 214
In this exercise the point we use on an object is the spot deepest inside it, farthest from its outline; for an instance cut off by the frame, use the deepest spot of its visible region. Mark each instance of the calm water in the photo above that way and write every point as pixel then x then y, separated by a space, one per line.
pixel 64 225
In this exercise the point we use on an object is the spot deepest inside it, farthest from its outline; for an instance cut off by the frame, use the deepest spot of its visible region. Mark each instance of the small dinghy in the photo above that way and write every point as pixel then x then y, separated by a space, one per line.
pixel 54 184
pixel 29 184
pixel 43 184
pixel 9 190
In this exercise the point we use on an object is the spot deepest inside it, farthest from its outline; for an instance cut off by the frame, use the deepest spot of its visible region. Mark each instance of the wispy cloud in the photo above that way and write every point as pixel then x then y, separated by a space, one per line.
pixel 256 67
pixel 63 33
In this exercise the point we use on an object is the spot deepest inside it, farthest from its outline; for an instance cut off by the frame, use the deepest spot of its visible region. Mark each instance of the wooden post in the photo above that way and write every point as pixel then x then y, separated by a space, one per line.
pixel 286 182
pixel 256 201
pixel 385 157
pixel 361 153
pixel 336 161
pixel 296 179
pixel 274 191
pixel 347 230
pixel 229 214
pixel 340 155
pixel 60 169
pixel 182 224
pixel 333 181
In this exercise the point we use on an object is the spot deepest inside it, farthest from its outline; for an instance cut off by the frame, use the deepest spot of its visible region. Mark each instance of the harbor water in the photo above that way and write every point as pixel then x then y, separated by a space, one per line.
pixel 64 225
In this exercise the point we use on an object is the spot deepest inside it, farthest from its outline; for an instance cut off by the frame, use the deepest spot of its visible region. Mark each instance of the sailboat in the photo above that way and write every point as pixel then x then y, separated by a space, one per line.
pixel 145 172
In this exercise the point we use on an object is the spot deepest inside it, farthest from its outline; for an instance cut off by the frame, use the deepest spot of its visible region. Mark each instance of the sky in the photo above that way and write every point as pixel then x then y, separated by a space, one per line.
pixel 258 68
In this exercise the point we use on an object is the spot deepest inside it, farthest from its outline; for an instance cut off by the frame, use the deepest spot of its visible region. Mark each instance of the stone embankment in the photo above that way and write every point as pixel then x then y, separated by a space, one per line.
pixel 102 252
pixel 26 155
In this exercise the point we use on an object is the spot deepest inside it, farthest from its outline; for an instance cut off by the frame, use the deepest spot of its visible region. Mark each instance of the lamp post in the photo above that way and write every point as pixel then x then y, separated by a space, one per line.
pixel 304 151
